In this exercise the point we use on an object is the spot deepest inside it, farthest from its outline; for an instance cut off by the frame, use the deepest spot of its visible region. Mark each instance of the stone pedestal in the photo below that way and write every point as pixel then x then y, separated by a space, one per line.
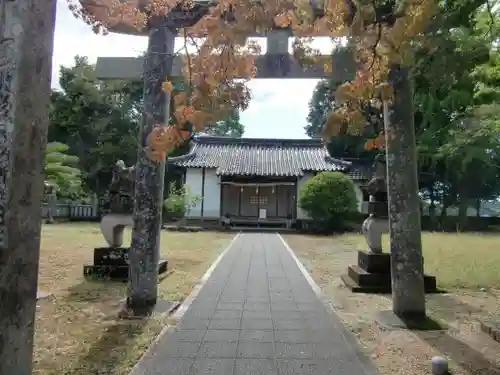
pixel 113 263
pixel 372 274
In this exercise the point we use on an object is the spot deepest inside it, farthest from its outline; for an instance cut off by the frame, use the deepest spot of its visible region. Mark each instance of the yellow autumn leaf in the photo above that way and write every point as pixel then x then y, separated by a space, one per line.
pixel 282 20
pixel 167 86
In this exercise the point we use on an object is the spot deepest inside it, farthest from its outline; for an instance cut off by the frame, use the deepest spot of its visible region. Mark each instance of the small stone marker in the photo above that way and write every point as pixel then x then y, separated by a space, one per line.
pixel 439 365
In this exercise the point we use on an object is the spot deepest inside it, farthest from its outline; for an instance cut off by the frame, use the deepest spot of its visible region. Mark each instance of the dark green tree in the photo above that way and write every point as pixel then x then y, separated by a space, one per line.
pixel 61 172
pixel 98 120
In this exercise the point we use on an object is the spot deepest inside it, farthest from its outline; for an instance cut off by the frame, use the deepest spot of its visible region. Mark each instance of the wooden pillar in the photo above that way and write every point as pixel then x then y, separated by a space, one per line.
pixel 148 195
pixel 240 193
pixel 26 44
pixel 203 172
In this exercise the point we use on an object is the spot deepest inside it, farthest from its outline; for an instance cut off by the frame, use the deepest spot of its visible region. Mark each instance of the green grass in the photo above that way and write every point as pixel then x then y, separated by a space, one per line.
pixel 458 260
pixel 77 330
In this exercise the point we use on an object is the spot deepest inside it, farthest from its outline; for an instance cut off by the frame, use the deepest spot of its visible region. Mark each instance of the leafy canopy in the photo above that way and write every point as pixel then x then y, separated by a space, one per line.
pixel 61 171
pixel 218 73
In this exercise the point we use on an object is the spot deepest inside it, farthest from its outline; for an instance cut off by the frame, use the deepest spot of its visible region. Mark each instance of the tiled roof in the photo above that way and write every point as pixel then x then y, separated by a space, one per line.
pixel 261 157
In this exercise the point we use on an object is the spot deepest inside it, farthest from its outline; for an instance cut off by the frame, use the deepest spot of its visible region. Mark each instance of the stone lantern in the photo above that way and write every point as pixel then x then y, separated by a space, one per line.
pixel 377 222
pixel 372 274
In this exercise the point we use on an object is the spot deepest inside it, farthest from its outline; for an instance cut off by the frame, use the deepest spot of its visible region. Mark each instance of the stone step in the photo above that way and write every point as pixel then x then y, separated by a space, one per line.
pixel 115 272
pixel 359 281
pixel 362 277
pixel 492 328
pixel 356 288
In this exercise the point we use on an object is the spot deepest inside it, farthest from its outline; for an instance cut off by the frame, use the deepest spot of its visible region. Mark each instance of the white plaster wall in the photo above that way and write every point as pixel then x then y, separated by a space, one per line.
pixel 193 183
pixel 362 206
pixel 211 207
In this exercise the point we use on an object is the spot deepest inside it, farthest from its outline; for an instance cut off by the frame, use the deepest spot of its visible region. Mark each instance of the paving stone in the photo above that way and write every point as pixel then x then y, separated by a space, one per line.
pixel 212 366
pixel 286 315
pixel 180 350
pixel 256 315
pixel 289 366
pixel 194 323
pixel 232 298
pixel 230 306
pixel 304 307
pixel 245 366
pixel 159 365
pixel 225 324
pixel 257 323
pixel 248 314
pixel 251 300
pixel 284 306
pixel 226 314
pixel 218 349
pixel 254 349
pixel 198 313
pixel 256 335
pixel 257 306
pixel 298 324
pixel 291 336
pixel 186 335
pixel 292 350
pixel 222 335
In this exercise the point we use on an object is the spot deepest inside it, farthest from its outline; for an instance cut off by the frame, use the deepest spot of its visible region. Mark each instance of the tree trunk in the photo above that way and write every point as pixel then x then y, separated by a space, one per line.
pixel 26 44
pixel 404 203
pixel 148 194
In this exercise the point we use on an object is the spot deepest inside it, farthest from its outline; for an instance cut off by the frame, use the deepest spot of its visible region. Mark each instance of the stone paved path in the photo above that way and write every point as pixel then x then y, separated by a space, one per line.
pixel 256 315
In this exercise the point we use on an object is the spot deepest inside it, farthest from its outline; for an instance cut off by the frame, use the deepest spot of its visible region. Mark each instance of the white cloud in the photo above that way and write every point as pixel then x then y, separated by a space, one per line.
pixel 278 109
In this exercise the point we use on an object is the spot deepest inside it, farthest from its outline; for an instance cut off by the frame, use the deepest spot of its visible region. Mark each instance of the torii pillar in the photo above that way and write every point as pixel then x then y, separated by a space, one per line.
pixel 144 253
pixel 158 64
pixel 26 44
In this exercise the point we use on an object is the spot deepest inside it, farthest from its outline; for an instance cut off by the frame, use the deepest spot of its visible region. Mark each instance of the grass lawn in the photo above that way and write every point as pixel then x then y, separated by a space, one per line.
pixel 76 329
pixel 465 265
pixel 468 260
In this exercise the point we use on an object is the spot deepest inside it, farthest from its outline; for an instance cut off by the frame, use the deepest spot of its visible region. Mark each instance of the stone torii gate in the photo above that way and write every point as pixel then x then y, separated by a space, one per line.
pixel 158 64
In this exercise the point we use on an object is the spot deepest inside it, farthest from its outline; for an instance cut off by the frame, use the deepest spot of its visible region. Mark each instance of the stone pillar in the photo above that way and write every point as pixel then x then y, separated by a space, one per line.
pixel 148 194
pixel 52 207
pixel 277 42
pixel 404 203
pixel 26 44
pixel 95 205
pixel 278 61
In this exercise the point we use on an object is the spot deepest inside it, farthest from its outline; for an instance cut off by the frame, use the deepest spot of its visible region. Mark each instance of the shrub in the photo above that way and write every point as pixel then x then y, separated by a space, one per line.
pixel 179 202
pixel 175 206
pixel 329 199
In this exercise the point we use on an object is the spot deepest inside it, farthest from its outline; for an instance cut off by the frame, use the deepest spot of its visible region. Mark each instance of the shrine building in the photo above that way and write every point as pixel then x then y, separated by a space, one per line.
pixel 257 181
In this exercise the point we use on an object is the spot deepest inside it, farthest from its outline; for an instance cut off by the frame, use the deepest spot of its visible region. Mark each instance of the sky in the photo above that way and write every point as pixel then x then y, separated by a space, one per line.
pixel 278 108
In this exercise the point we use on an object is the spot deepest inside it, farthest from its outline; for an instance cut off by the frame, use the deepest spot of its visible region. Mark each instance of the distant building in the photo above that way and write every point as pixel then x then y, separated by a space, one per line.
pixel 258 180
